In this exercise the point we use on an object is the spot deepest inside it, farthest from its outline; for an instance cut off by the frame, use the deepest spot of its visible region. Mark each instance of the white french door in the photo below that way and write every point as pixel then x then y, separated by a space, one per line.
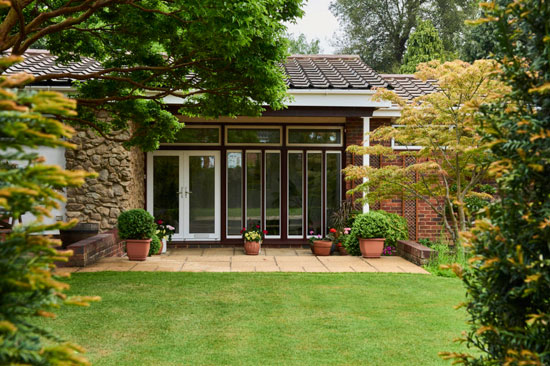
pixel 183 190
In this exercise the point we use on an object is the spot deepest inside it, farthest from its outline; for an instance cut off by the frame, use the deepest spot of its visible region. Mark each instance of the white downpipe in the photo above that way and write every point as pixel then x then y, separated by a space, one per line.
pixel 366 158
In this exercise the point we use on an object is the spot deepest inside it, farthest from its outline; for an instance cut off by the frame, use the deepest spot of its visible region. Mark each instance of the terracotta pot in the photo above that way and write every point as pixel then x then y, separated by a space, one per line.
pixel 161 246
pixel 251 247
pixel 322 247
pixel 137 250
pixel 342 250
pixel 371 248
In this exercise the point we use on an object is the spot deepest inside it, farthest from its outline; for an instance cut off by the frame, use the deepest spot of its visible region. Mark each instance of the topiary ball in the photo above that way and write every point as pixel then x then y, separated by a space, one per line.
pixel 155 245
pixel 136 224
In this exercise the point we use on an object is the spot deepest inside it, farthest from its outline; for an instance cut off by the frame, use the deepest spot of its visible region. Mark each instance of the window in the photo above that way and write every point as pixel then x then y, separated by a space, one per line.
pixel 272 193
pixel 316 136
pixel 396 145
pixel 198 135
pixel 295 194
pixel 314 192
pixel 333 180
pixel 247 135
pixel 234 193
pixel 253 189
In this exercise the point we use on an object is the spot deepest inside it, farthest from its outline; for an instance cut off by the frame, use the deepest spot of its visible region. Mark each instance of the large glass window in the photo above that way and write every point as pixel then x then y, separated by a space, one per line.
pixel 272 193
pixel 253 136
pixel 315 136
pixel 202 194
pixel 253 189
pixel 334 186
pixel 234 193
pixel 314 192
pixel 198 136
pixel 166 186
pixel 295 194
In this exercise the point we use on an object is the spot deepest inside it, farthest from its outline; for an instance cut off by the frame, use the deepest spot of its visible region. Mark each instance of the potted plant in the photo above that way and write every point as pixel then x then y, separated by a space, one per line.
pixel 341 240
pixel 155 246
pixel 320 246
pixel 312 239
pixel 253 240
pixel 137 228
pixel 164 232
pixel 368 234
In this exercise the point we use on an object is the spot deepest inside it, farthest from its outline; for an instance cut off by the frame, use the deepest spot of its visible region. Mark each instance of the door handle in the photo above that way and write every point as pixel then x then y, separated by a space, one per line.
pixel 180 192
pixel 187 192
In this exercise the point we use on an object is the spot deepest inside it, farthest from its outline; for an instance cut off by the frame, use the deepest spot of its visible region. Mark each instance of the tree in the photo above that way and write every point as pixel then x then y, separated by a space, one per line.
pixel 479 42
pixel 424 45
pixel 28 286
pixel 301 46
pixel 218 57
pixel 378 30
pixel 450 160
pixel 508 282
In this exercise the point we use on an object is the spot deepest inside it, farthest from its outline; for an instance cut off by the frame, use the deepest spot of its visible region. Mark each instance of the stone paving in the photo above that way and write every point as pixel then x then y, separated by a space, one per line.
pixel 234 260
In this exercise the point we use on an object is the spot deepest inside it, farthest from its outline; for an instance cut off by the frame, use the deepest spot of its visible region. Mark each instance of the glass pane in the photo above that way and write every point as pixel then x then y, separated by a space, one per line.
pixel 272 193
pixel 207 135
pixel 253 189
pixel 315 136
pixel 334 182
pixel 253 136
pixel 314 193
pixel 165 190
pixel 202 194
pixel 234 193
pixel 295 193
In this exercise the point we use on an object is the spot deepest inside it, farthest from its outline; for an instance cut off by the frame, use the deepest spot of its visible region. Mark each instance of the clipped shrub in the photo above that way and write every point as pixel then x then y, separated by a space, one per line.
pixel 398 229
pixel 136 224
pixel 373 224
pixel 155 245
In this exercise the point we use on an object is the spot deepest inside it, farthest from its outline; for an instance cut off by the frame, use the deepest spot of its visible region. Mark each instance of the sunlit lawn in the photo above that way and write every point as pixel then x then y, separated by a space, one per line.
pixel 264 319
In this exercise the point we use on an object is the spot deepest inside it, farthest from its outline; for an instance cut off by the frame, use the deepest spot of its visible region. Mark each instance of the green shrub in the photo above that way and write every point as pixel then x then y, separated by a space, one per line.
pixel 446 257
pixel 398 229
pixel 155 245
pixel 136 224
pixel 369 225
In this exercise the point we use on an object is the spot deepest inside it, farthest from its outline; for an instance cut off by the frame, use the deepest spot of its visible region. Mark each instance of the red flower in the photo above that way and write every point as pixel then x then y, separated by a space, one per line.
pixel 160 222
pixel 333 230
pixel 257 226
pixel 242 231
pixel 265 232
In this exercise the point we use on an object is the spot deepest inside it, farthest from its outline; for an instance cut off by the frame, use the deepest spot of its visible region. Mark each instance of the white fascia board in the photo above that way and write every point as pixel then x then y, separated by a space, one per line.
pixel 393 112
pixel 334 98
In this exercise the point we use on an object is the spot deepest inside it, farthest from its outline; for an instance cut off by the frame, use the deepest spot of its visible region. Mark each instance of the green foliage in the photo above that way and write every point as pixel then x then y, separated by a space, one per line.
pixel 423 45
pixel 155 245
pixel 479 42
pixel 398 229
pixel 136 224
pixel 508 283
pixel 301 46
pixel 447 256
pixel 221 58
pixel 378 30
pixel 447 147
pixel 28 286
pixel 373 224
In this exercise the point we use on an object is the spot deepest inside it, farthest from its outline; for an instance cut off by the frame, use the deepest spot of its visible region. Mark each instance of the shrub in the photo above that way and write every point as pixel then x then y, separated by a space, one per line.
pixel 136 224
pixel 369 225
pixel 155 245
pixel 398 229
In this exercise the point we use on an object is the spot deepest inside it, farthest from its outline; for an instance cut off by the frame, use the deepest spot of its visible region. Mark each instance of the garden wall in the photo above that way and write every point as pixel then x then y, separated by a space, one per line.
pixel 120 184
pixel 92 249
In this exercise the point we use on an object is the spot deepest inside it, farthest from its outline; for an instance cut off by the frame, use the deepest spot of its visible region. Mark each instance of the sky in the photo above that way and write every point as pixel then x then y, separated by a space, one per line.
pixel 317 22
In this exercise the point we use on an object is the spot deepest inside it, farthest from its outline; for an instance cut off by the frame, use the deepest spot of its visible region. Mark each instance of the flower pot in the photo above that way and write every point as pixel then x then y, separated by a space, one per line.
pixel 322 247
pixel 164 245
pixel 137 250
pixel 342 250
pixel 251 247
pixel 371 248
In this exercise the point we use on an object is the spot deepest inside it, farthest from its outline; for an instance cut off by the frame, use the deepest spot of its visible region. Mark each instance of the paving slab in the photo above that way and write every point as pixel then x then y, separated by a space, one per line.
pixel 184 252
pixel 145 267
pixel 219 251
pixel 209 258
pixel 253 258
pixel 281 252
pixel 206 267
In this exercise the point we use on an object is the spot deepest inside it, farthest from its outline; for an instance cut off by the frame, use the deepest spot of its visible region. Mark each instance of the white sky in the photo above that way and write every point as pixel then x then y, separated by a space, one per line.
pixel 317 22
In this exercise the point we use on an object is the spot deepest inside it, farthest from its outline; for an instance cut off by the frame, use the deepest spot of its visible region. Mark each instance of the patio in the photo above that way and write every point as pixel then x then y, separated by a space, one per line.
pixel 234 260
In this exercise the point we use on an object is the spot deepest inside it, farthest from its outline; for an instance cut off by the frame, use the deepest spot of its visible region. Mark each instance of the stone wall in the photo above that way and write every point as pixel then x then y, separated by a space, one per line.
pixel 119 185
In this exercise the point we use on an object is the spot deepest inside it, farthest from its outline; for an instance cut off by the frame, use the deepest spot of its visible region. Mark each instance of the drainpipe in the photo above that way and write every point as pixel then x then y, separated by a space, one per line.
pixel 366 158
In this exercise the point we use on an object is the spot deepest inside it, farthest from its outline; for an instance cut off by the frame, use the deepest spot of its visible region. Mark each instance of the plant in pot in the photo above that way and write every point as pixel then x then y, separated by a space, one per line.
pixel 368 235
pixel 164 232
pixel 341 240
pixel 137 228
pixel 253 239
pixel 321 246
pixel 155 246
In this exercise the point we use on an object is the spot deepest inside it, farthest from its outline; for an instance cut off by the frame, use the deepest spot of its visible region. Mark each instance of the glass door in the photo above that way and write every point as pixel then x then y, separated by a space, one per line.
pixel 201 195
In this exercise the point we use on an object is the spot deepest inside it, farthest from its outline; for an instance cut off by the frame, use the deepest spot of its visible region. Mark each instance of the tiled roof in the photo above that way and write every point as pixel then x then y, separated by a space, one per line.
pixel 408 87
pixel 303 71
pixel 330 72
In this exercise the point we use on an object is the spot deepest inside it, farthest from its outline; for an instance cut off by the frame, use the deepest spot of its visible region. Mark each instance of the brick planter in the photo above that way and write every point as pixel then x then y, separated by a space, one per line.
pixel 92 249
pixel 415 252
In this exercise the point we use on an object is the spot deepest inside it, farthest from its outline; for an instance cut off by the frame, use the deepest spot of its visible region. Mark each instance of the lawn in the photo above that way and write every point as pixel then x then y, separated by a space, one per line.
pixel 264 319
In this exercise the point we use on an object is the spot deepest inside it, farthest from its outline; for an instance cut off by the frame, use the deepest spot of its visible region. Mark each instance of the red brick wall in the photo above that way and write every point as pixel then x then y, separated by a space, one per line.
pixel 422 220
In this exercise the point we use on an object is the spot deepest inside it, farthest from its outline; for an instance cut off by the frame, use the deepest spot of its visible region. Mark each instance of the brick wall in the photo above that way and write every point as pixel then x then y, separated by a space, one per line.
pixel 92 249
pixel 423 222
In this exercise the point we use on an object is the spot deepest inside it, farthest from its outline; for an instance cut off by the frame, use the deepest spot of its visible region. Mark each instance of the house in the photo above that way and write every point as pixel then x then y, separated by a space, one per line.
pixel 281 171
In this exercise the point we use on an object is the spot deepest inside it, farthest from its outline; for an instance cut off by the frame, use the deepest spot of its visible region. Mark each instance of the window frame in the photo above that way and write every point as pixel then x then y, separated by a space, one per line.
pixel 264 189
pixel 290 236
pixel 219 143
pixel 243 178
pixel 395 145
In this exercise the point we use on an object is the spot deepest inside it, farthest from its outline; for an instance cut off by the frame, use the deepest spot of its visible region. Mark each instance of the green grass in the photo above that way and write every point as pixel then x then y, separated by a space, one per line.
pixel 264 319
